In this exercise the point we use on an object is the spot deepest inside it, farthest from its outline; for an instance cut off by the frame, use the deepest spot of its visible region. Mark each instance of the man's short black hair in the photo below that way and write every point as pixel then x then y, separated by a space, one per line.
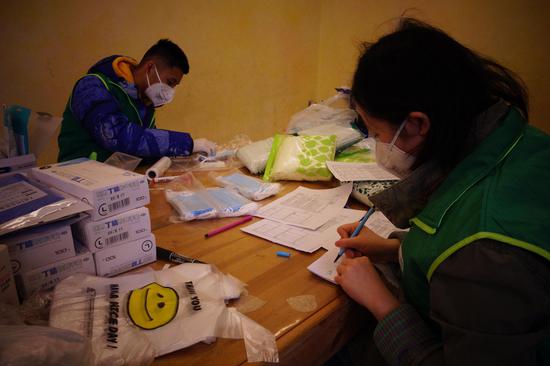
pixel 170 53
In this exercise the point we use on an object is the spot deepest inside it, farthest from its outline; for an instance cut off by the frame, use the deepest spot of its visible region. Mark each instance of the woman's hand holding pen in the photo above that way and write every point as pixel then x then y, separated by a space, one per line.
pixel 356 273
pixel 361 281
pixel 367 243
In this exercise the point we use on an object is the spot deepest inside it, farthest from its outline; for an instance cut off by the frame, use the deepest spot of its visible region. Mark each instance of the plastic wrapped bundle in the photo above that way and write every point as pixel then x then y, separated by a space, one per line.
pixel 254 156
pixel 300 158
pixel 249 187
pixel 345 135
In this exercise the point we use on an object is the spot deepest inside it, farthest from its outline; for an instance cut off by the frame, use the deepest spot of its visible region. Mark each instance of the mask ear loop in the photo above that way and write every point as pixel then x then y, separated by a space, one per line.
pixel 392 143
pixel 157 72
pixel 147 77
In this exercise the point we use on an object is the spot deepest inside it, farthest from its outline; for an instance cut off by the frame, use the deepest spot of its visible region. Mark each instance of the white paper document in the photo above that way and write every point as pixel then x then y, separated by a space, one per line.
pixel 304 239
pixel 307 208
pixel 350 172
pixel 325 267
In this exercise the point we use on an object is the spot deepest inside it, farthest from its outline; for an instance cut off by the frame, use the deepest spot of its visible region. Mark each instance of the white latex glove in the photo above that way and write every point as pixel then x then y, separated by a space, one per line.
pixel 204 145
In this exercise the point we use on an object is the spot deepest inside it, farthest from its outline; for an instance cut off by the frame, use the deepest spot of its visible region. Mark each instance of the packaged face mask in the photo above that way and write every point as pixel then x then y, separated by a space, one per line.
pixel 249 187
pixel 300 158
pixel 230 203
pixel 209 203
pixel 191 205
pixel 132 319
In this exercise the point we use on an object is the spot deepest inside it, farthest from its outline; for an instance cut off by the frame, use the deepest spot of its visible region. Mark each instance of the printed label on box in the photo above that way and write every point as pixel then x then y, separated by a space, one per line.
pixel 48 276
pixel 125 227
pixel 124 257
pixel 36 247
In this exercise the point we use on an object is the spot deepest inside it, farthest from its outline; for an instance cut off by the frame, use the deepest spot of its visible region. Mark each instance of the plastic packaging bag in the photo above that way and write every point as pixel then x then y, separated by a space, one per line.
pixel 132 319
pixel 325 112
pixel 193 202
pixel 197 162
pixel 254 156
pixel 249 187
pixel 23 345
pixel 345 135
pixel 229 203
pixel 25 131
pixel 123 161
pixel 300 158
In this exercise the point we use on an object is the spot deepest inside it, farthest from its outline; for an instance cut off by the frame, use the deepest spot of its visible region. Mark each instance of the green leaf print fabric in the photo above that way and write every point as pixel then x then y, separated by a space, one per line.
pixel 300 158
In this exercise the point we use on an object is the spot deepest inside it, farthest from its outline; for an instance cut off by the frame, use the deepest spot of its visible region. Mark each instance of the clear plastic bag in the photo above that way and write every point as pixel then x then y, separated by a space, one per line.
pixel 194 202
pixel 22 345
pixel 318 114
pixel 254 156
pixel 300 158
pixel 123 161
pixel 249 187
pixel 131 319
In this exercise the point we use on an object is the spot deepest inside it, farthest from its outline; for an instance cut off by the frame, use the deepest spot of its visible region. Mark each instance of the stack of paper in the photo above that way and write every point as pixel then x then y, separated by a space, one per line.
pixel 307 219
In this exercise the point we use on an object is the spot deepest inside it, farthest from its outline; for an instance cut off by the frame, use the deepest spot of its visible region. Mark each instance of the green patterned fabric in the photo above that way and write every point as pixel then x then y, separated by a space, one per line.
pixel 300 158
pixel 355 154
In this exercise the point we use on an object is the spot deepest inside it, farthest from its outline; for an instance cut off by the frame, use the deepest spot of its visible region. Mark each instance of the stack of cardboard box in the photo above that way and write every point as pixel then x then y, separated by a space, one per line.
pixel 44 255
pixel 118 230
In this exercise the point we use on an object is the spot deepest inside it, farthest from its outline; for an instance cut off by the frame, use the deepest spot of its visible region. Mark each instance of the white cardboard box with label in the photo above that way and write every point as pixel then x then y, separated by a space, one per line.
pixel 122 228
pixel 109 190
pixel 46 277
pixel 38 246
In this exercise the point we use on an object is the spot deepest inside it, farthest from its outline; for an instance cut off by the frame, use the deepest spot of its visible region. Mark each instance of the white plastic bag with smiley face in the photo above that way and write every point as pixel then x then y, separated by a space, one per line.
pixel 132 319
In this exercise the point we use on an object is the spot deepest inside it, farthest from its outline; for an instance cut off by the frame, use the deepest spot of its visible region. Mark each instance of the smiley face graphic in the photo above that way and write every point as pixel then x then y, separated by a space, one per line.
pixel 152 306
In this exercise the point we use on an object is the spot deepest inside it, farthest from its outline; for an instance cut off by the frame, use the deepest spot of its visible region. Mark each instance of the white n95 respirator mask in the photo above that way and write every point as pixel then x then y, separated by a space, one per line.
pixel 159 93
pixel 392 158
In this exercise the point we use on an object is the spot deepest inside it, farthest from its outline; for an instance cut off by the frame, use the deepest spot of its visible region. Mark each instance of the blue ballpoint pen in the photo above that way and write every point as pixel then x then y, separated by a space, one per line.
pixel 357 230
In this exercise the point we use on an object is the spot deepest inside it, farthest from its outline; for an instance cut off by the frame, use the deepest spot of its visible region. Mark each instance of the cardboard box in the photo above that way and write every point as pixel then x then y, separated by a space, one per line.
pixel 109 190
pixel 124 257
pixel 17 163
pixel 8 293
pixel 38 246
pixel 122 228
pixel 46 277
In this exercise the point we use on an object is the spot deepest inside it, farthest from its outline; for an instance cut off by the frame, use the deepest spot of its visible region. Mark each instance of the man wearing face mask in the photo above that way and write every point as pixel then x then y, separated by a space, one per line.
pixel 112 108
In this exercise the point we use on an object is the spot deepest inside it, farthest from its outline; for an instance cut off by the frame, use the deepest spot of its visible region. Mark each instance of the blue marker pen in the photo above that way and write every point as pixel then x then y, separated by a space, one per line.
pixel 357 230
pixel 283 254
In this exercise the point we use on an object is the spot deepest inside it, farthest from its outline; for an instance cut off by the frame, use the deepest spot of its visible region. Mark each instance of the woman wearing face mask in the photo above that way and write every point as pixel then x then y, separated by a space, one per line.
pixel 112 108
pixel 475 265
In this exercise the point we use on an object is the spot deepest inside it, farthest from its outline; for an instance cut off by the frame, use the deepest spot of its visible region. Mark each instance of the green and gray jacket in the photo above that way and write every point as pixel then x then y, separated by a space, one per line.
pixel 476 262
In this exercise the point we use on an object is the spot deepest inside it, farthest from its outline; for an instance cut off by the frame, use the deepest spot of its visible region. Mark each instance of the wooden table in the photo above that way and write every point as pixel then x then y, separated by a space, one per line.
pixel 303 337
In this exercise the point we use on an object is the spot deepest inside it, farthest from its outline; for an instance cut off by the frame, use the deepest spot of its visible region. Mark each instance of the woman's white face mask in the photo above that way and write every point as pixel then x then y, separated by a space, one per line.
pixel 392 158
pixel 159 93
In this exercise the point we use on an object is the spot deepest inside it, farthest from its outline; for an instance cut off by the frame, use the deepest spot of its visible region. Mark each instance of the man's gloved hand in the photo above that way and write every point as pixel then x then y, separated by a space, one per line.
pixel 204 145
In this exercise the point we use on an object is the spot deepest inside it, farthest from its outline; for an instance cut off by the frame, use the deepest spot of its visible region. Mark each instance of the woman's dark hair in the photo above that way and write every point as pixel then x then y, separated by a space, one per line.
pixel 420 68
pixel 170 53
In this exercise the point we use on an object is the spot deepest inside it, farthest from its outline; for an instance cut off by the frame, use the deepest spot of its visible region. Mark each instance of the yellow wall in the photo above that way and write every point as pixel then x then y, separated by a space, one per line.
pixel 253 62
pixel 513 32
